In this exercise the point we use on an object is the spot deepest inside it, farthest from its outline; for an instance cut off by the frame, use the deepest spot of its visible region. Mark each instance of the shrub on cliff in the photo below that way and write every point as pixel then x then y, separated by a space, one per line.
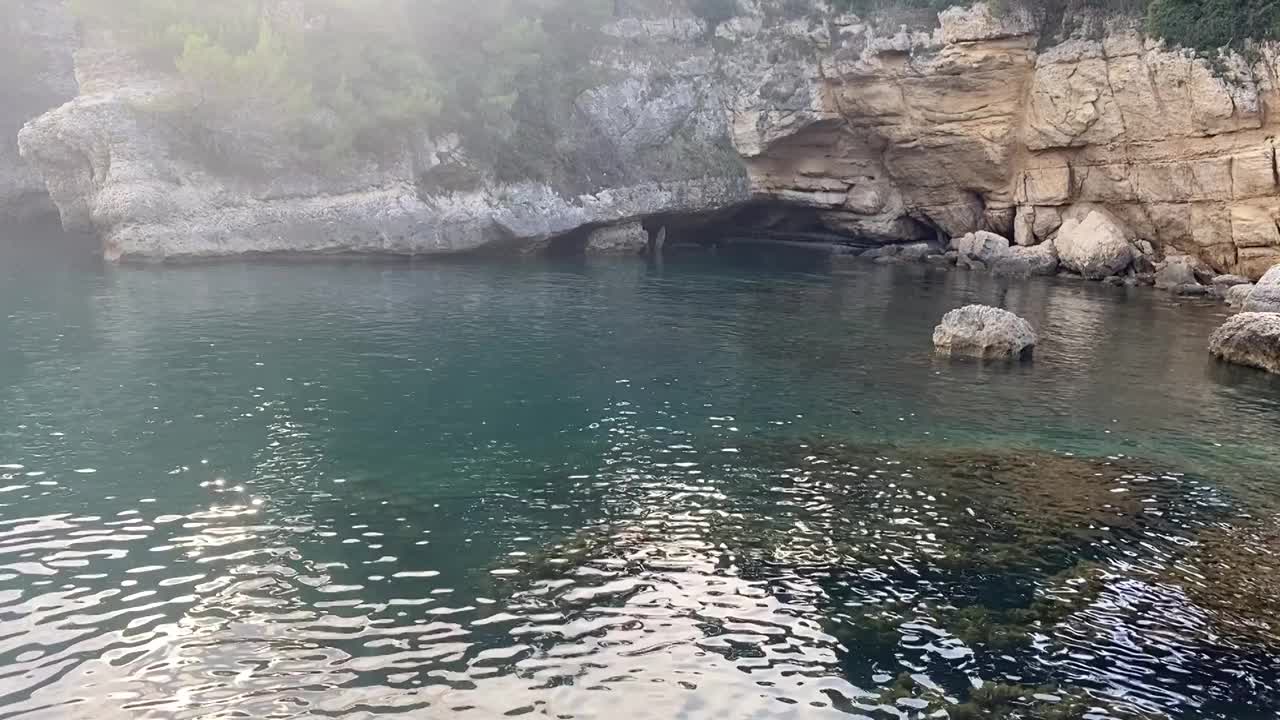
pixel 1203 25
pixel 1212 24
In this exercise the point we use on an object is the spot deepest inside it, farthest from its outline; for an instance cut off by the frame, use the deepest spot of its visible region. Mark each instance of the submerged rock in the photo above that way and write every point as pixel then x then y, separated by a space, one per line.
pixel 1189 290
pixel 1176 271
pixel 1266 294
pixel 984 332
pixel 1227 281
pixel 1093 243
pixel 1251 339
pixel 914 252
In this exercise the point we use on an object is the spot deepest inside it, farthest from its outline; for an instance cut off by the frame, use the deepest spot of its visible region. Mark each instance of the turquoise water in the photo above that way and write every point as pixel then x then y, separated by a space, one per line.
pixel 723 486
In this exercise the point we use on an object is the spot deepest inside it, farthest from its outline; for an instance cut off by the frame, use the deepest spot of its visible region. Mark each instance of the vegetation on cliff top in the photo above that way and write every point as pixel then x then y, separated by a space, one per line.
pixel 337 77
pixel 274 83
pixel 1203 25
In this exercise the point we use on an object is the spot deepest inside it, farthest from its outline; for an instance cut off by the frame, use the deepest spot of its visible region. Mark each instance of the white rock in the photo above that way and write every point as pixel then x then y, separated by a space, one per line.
pixel 984 332
pixel 1093 243
pixel 1250 338
pixel 1266 294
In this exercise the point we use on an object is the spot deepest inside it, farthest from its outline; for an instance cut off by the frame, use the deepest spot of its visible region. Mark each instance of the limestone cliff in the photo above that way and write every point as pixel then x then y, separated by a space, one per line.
pixel 893 132
pixel 37 39
pixel 969 127
pixel 117 166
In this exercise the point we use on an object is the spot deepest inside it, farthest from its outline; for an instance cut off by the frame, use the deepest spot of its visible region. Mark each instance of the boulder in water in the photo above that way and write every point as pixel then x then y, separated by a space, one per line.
pixel 1093 243
pixel 1238 295
pixel 984 332
pixel 1250 338
pixel 982 246
pixel 1039 259
pixel 1176 271
pixel 1266 294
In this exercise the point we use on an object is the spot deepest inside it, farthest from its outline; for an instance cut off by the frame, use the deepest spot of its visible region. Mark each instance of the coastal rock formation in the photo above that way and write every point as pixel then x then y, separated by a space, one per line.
pixel 1251 339
pixel 119 169
pixel 984 332
pixel 1265 296
pixel 38 38
pixel 1111 146
pixel 979 125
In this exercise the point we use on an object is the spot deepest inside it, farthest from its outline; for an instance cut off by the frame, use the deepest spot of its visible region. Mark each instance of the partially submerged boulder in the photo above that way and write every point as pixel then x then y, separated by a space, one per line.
pixel 1266 294
pixel 1251 339
pixel 985 332
pixel 902 252
pixel 1093 243
pixel 982 246
pixel 1176 271
pixel 1238 295
pixel 1221 285
pixel 1042 259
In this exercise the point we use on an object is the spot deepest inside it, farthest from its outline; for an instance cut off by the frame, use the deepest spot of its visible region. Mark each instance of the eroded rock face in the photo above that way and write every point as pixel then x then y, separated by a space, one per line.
pixel 984 332
pixel 1251 339
pixel 1265 296
pixel 36 76
pixel 969 127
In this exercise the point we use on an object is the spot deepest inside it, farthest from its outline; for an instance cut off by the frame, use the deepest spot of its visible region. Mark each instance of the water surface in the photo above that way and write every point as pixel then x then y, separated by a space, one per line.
pixel 718 487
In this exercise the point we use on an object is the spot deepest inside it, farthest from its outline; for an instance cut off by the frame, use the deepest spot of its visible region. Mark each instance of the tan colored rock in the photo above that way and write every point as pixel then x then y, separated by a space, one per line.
pixel 1048 220
pixel 1253 224
pixel 1254 262
pixel 1024 226
pixel 1253 173
pixel 1046 185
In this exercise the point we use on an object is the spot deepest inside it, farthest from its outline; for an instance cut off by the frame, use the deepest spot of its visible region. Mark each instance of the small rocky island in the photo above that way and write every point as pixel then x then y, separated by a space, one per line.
pixel 983 332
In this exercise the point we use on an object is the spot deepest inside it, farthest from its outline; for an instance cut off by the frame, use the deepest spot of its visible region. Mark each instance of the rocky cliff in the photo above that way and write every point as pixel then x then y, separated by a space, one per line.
pixel 897 133
pixel 971 127
pixel 37 39
pixel 653 136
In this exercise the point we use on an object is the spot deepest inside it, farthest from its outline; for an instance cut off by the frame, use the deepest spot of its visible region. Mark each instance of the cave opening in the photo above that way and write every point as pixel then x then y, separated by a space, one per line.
pixel 757 223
